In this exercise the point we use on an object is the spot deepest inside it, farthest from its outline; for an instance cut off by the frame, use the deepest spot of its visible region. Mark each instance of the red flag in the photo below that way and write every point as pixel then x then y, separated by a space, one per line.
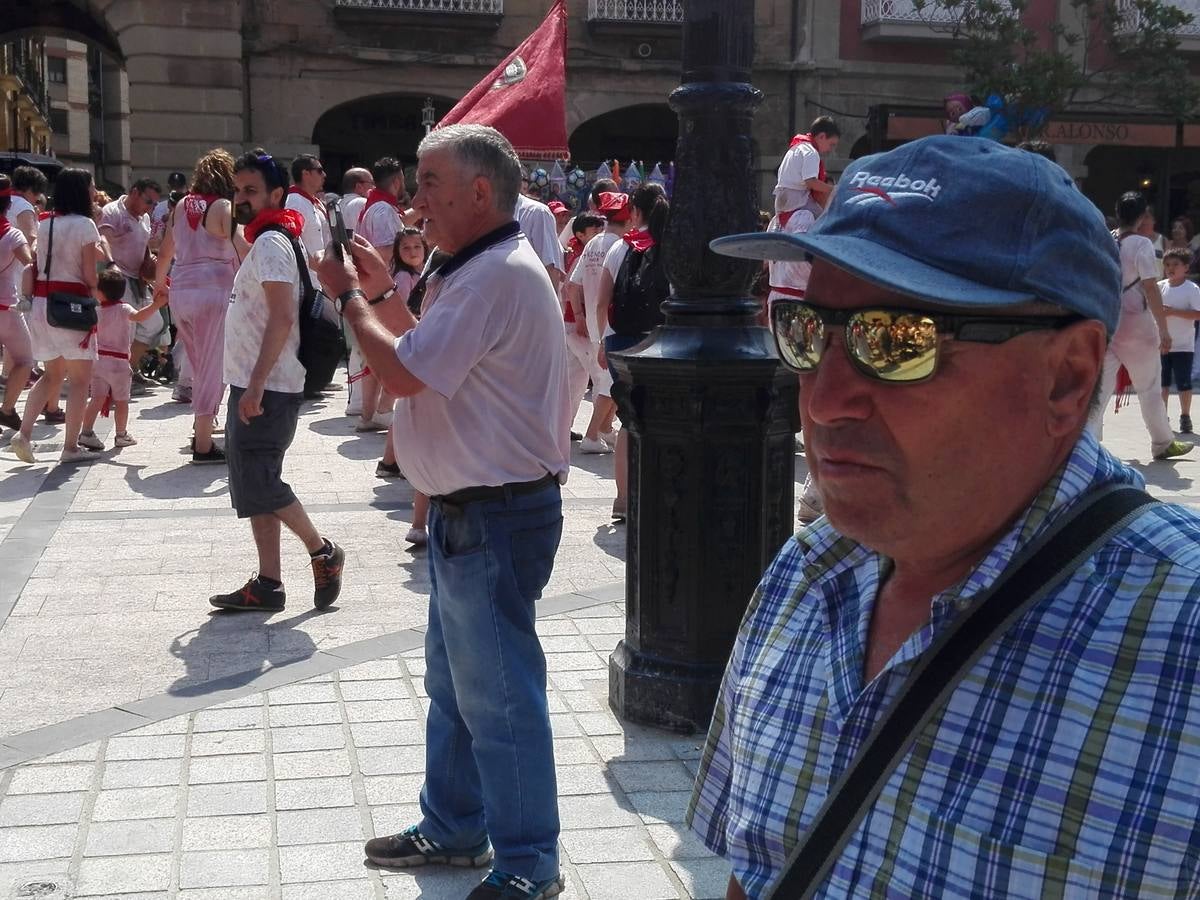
pixel 524 98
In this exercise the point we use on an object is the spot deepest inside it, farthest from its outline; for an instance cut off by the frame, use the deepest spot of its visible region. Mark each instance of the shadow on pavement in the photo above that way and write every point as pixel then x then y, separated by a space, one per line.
pixel 231 649
pixel 610 538
pixel 601 464
pixel 185 481
pixel 172 410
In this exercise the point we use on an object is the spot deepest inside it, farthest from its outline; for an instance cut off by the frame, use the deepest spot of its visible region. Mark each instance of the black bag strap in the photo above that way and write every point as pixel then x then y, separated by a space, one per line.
pixel 1036 571
pixel 49 248
pixel 308 292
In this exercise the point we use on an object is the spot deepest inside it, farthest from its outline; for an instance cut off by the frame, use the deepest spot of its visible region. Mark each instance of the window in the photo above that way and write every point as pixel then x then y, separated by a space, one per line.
pixel 56 69
pixel 58 121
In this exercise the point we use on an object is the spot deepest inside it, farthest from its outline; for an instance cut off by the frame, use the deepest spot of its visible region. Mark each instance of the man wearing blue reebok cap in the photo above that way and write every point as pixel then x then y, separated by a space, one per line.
pixel 949 348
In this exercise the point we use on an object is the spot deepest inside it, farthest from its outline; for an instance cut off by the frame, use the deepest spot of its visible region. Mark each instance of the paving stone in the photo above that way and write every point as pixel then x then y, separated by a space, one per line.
pixel 311 764
pixel 386 734
pixel 135 803
pixel 122 875
pixel 678 842
pixel 388 789
pixel 362 889
pixel 305 714
pixel 564 725
pixel 380 710
pixel 571 662
pixel 174 725
pixel 41 809
pixel 142 773
pixel 622 880
pixel 607 845
pixel 435 883
pixel 319 826
pixel 14 875
pixel 166 746
pixel 583 701
pixel 614 747
pixel 312 737
pixel 222 893
pixel 394 818
pixel 405 760
pixel 52 779
pixel 36 842
pixel 228 742
pixel 129 838
pixel 226 832
pixel 393 689
pixel 219 868
pixel 228 719
pixel 86 753
pixel 308 863
pixel 594 724
pixel 572 751
pixel 374 669
pixel 313 793
pixel 227 799
pixel 595 811
pixel 704 879
pixel 303 692
pixel 585 779
pixel 221 769
pixel 665 807
pixel 652 776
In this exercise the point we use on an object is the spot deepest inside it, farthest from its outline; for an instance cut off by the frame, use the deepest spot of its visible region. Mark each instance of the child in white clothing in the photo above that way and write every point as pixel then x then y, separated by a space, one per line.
pixel 1181 303
pixel 111 375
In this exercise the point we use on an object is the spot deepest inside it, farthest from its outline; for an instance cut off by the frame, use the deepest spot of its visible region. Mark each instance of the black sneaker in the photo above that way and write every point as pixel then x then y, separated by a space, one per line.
pixel 54 416
pixel 254 596
pixel 502 886
pixel 10 420
pixel 410 849
pixel 213 456
pixel 576 437
pixel 382 470
pixel 1185 425
pixel 327 575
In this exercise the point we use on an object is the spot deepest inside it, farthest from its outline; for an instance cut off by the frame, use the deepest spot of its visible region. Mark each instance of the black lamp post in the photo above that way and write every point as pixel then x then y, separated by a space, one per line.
pixel 711 413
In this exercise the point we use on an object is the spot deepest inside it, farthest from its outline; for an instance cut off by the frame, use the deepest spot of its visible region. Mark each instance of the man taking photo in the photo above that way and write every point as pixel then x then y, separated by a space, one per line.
pixel 266 388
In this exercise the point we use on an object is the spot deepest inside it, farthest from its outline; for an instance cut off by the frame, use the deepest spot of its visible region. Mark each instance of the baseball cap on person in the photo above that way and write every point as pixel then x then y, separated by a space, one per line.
pixel 960 222
pixel 557 207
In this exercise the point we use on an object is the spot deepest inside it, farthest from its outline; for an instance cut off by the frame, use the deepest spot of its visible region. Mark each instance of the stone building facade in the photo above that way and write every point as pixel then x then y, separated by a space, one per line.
pixel 24 102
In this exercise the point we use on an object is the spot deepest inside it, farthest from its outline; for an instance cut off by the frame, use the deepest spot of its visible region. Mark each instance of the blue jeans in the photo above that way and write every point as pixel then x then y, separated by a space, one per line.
pixel 489 764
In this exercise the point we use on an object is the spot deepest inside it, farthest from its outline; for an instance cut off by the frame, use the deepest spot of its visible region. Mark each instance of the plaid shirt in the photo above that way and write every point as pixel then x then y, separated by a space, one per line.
pixel 1066 764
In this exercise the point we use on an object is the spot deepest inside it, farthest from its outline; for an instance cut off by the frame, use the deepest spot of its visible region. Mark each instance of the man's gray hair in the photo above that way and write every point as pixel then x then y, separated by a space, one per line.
pixel 482 151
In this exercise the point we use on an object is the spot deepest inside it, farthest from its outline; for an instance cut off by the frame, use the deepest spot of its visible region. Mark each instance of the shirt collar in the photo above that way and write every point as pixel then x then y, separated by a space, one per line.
pixel 469 252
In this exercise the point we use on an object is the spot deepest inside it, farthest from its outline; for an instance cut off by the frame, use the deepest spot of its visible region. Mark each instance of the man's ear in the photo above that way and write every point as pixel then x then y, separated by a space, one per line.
pixel 277 196
pixel 482 192
pixel 1075 356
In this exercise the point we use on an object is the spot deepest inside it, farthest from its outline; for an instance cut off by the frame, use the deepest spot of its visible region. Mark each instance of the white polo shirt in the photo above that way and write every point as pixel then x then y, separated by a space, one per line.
pixel 352 206
pixel 537 222
pixel 491 351
pixel 127 236
pixel 799 164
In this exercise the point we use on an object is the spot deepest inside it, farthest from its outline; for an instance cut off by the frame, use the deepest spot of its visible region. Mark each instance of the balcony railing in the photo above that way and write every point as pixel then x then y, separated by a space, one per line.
pixel 902 20
pixel 469 7
pixel 655 12
pixel 1130 19
pixel 16 59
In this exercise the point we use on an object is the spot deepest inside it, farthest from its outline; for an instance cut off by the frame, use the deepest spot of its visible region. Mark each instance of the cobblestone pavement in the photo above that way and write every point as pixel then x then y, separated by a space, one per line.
pixel 150 749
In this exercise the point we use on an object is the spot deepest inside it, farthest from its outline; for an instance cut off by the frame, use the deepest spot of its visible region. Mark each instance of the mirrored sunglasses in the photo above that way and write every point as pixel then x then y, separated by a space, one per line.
pixel 899 346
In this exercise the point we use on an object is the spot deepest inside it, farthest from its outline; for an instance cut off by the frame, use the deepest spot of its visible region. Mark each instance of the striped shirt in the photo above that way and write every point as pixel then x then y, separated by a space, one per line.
pixel 1066 764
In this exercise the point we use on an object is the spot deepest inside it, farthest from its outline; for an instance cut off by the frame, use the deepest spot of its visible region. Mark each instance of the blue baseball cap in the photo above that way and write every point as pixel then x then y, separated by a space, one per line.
pixel 960 222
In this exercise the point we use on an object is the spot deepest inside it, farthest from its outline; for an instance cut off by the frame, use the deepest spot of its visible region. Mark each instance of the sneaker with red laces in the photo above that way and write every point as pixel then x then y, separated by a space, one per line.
pixel 327 574
pixel 253 596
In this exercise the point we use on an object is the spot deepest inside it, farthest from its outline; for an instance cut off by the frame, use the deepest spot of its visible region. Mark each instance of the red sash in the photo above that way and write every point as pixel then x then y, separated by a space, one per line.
pixel 46 288
pixel 789 292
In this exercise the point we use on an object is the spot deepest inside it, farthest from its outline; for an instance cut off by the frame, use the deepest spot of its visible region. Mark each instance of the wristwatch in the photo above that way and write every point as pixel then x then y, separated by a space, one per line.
pixel 389 292
pixel 343 299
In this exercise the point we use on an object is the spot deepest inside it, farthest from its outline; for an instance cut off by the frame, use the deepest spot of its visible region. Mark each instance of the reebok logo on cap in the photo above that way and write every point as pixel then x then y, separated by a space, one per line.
pixel 880 189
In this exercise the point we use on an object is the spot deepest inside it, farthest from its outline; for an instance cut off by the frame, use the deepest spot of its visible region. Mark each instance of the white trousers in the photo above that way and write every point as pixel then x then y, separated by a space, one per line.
pixel 1135 345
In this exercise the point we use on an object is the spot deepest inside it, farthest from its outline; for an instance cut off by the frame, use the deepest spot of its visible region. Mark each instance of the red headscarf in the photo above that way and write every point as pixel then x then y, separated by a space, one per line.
pixel 808 139
pixel 292 222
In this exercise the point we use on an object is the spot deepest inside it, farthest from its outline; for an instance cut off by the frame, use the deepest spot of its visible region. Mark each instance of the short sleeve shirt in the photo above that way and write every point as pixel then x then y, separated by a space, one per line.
pixel 352 207
pixel 1138 263
pixel 315 236
pixel 71 234
pixel 18 207
pixel 127 236
pixel 491 351
pixel 380 225
pixel 10 269
pixel 1182 331
pixel 539 226
pixel 271 258
pixel 158 219
pixel 586 274
pixel 799 164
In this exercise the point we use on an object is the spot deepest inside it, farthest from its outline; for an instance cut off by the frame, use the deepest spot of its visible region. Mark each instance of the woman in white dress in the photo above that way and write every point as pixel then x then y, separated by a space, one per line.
pixel 68 250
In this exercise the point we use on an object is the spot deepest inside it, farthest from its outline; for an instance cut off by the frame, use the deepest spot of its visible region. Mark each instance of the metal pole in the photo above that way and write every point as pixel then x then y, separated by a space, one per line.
pixel 710 412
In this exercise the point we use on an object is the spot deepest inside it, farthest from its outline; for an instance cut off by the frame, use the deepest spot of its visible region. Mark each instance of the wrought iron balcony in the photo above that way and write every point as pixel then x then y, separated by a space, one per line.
pixel 1188 34
pixel 902 20
pixel 20 64
pixel 468 7
pixel 649 12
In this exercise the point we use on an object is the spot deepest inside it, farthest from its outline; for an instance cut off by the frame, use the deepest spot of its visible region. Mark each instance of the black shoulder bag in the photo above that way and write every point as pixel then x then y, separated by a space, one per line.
pixel 1036 571
pixel 63 310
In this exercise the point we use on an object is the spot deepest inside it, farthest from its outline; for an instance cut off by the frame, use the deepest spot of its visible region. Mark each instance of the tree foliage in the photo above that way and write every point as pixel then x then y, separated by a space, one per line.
pixel 1115 54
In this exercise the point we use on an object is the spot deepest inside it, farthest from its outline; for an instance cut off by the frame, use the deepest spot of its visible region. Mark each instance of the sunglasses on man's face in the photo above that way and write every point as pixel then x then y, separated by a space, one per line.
pixel 899 346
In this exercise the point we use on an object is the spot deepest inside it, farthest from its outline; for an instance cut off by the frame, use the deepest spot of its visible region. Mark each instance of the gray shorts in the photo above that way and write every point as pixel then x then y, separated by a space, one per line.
pixel 255 453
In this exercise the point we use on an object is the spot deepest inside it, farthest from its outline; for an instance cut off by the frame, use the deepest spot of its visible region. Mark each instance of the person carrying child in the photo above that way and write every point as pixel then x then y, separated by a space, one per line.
pixel 111 375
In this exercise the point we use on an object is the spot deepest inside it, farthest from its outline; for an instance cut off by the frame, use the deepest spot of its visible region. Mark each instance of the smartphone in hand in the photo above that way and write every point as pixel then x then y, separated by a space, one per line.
pixel 341 235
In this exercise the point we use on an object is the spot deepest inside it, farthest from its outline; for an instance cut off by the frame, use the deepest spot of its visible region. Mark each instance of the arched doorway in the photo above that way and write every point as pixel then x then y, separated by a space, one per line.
pixel 364 130
pixel 647 132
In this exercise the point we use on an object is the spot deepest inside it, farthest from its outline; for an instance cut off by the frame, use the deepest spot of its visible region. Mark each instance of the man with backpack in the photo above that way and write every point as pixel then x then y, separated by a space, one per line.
pixel 1142 335
pixel 266 387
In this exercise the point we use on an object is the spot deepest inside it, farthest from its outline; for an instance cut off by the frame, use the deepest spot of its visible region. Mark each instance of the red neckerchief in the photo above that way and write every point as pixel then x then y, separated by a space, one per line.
pixel 194 205
pixel 808 139
pixel 5 225
pixel 377 195
pixel 44 215
pixel 8 192
pixel 574 248
pixel 638 239
pixel 292 222
pixel 317 204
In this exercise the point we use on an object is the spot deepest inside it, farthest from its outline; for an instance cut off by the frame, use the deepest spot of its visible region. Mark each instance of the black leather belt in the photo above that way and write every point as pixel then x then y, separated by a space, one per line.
pixel 498 492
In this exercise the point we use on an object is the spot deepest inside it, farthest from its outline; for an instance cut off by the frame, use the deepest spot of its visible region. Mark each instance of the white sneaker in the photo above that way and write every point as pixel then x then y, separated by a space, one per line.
pixel 365 425
pixel 418 537
pixel 125 439
pixel 23 448
pixel 88 439
pixel 383 419
pixel 354 408
pixel 610 438
pixel 78 455
pixel 588 445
